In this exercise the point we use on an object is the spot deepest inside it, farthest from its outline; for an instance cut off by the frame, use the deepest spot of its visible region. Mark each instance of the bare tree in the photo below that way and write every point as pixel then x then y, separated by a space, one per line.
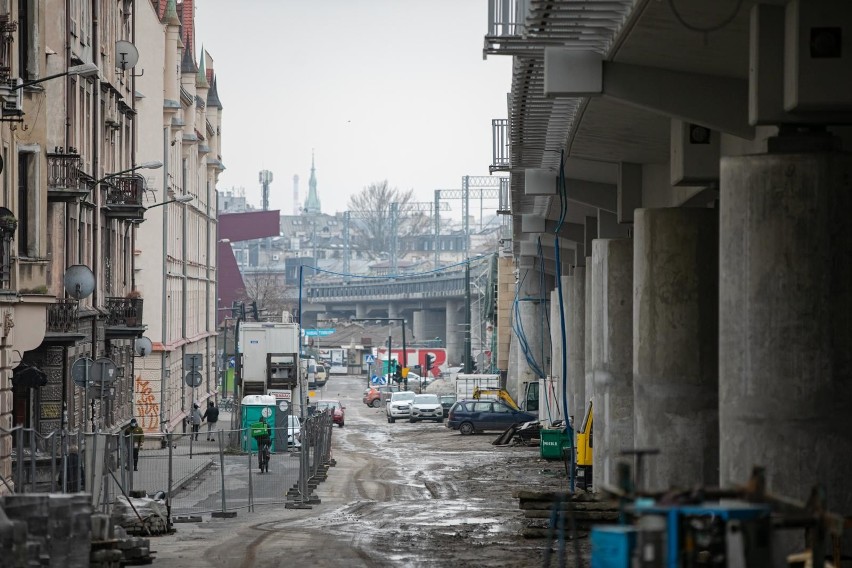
pixel 372 224
pixel 269 290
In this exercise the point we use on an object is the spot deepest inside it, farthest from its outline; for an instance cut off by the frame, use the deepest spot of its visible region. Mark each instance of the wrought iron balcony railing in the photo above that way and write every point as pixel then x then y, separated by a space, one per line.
pixel 124 312
pixel 65 177
pixel 62 316
pixel 124 196
pixel 126 190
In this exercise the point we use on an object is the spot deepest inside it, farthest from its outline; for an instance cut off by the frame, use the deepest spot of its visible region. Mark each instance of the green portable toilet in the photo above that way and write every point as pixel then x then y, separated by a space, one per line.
pixel 252 408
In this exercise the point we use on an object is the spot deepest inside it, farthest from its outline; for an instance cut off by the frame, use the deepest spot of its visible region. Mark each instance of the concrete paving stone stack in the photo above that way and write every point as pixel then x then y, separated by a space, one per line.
pixel 13 540
pixel 32 509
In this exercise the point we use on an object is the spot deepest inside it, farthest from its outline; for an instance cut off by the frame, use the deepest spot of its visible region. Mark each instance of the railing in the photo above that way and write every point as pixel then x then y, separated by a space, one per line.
pixel 5 260
pixel 62 316
pixel 125 312
pixel 500 161
pixel 126 191
pixel 436 287
pixel 504 206
pixel 65 171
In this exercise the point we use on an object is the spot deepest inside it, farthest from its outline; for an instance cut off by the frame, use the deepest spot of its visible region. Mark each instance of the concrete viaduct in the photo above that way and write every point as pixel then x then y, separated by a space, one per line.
pixel 690 160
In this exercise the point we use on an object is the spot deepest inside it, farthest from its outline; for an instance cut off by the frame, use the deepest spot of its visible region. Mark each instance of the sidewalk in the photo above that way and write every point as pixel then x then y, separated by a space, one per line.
pixel 189 459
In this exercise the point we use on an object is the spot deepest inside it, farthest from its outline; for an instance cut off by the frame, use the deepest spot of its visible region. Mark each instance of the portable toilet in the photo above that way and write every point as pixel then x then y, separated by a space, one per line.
pixel 252 407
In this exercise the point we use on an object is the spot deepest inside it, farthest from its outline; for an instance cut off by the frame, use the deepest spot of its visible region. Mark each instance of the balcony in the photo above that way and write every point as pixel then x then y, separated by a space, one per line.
pixel 65 178
pixel 500 161
pixel 124 318
pixel 124 197
pixel 63 323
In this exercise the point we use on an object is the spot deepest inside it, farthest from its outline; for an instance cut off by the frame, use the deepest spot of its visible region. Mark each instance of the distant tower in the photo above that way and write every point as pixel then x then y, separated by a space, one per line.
pixel 312 203
pixel 296 194
pixel 265 178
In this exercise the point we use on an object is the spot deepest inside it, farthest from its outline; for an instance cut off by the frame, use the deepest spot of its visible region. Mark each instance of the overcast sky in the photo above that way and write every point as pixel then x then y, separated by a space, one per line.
pixel 378 89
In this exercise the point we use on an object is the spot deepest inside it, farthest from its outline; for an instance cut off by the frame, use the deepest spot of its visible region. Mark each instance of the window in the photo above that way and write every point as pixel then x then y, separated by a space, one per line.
pixel 482 407
pixel 501 408
pixel 24 162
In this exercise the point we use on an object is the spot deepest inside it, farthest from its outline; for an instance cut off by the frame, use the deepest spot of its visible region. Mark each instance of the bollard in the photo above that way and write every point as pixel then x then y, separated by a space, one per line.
pixel 171 480
pixel 222 470
pixel 251 488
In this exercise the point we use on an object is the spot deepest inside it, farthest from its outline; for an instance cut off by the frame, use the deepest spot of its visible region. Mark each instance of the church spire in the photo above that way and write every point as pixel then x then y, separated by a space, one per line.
pixel 312 203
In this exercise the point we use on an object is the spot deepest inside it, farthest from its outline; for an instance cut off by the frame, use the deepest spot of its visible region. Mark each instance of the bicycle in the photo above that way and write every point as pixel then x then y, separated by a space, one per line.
pixel 226 405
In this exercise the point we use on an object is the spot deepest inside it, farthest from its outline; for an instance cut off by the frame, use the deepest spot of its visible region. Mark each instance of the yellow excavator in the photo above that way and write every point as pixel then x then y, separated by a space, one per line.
pixel 584 450
pixel 501 394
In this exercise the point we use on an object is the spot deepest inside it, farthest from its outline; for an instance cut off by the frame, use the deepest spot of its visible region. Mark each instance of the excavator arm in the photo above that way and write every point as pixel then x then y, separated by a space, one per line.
pixel 502 394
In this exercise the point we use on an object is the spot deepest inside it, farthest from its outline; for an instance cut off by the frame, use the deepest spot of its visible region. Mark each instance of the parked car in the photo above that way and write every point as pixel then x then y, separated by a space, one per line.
pixel 426 407
pixel 447 402
pixel 378 395
pixel 472 416
pixel 399 405
pixel 294 431
pixel 321 375
pixel 337 410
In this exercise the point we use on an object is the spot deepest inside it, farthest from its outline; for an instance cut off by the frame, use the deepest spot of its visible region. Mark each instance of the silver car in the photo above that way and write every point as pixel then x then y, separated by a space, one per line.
pixel 399 405
pixel 426 407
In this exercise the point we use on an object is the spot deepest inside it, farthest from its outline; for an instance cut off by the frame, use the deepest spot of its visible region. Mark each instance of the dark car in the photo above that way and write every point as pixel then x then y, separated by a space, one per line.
pixel 447 401
pixel 472 416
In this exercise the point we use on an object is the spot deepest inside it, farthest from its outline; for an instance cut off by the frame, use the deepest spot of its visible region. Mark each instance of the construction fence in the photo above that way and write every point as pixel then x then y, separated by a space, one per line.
pixel 216 472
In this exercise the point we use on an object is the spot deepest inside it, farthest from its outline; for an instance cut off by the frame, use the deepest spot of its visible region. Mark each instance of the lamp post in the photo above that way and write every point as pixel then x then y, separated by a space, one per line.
pixel 404 352
pixel 84 70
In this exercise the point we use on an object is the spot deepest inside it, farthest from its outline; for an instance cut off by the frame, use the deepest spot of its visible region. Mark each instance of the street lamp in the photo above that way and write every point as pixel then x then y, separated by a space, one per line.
pixel 84 70
pixel 143 166
pixel 178 199
pixel 404 352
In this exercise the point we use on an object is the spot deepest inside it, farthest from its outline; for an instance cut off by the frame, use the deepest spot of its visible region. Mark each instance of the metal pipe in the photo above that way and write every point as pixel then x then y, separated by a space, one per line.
pixel 164 305
pixel 222 469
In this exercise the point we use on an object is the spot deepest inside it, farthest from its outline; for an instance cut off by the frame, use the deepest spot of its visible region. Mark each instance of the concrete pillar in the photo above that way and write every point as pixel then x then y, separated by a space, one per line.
pixel 476 334
pixel 587 335
pixel 576 306
pixel 785 323
pixel 428 324
pixel 393 311
pixel 612 353
pixel 675 345
pixel 454 334
pixel 555 411
pixel 360 310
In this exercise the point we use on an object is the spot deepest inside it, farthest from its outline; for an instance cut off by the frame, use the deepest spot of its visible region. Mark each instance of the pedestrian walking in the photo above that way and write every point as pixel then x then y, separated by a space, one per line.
pixel 195 419
pixel 136 435
pixel 211 415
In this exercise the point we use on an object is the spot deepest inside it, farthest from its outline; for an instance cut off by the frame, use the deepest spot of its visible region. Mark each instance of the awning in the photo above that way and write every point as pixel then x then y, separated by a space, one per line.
pixel 28 376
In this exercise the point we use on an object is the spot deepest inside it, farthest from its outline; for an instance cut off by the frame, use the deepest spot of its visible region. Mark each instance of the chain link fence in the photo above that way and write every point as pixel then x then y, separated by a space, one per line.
pixel 215 472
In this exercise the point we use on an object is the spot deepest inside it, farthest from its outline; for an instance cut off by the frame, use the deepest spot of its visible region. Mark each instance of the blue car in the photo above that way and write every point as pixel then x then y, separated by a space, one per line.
pixel 472 416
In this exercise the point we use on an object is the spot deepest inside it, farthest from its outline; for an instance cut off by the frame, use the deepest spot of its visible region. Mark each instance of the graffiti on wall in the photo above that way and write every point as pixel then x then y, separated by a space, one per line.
pixel 147 407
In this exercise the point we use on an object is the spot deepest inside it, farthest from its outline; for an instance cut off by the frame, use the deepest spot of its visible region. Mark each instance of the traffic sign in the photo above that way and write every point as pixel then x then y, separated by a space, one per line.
pixel 369 359
pixel 193 379
pixel 103 371
pixel 322 332
pixel 81 371
pixel 193 361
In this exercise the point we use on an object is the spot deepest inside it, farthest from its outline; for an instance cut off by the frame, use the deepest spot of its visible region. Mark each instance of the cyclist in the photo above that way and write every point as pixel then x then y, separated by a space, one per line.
pixel 262 434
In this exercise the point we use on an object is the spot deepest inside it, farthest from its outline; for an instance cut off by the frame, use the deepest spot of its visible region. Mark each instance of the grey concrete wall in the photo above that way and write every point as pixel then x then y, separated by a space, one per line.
pixel 533 325
pixel 576 306
pixel 429 324
pixel 785 323
pixel 675 345
pixel 612 353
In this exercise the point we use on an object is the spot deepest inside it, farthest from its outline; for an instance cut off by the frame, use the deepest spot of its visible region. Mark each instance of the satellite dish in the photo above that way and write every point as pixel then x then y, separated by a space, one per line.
pixel 126 55
pixel 79 281
pixel 143 346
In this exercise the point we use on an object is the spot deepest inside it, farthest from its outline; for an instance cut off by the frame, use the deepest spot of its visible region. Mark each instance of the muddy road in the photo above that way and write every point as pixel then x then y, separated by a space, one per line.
pixel 400 495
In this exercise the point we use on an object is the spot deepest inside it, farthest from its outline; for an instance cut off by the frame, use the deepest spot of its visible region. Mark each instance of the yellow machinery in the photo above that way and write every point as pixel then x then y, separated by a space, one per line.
pixel 499 393
pixel 584 450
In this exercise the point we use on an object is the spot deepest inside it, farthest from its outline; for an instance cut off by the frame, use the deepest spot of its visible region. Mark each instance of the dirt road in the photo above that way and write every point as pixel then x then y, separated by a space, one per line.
pixel 400 495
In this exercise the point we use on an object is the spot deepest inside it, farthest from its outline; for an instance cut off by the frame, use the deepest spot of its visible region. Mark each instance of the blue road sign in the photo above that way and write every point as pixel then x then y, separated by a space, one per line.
pixel 318 332
pixel 377 380
pixel 369 359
